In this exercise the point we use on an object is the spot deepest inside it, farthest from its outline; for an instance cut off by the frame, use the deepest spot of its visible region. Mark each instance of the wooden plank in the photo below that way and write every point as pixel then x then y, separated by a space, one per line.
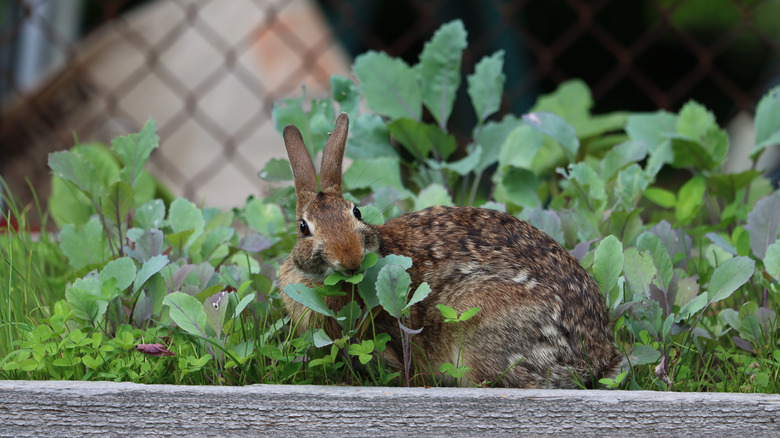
pixel 57 408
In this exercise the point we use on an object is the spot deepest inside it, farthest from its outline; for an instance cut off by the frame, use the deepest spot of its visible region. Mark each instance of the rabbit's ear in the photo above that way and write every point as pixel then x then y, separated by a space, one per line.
pixel 330 171
pixel 302 166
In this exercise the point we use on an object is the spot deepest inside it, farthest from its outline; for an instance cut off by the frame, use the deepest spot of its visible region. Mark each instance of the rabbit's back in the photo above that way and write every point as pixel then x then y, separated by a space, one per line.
pixel 540 310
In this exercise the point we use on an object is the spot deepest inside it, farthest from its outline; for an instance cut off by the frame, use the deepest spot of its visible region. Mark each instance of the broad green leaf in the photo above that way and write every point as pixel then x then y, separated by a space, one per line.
pixel 149 268
pixel 276 170
pixel 374 173
pixel 76 169
pixel 690 198
pixel 117 202
pixel 469 313
pixel 687 290
pixel 289 111
pixel 187 312
pixel 692 307
pixel 215 307
pixel 321 339
pixel 653 129
pixel 447 312
pixel 150 215
pixel 772 260
pixel 722 243
pixel 392 286
pixel 422 291
pixel 86 246
pixel 586 177
pixel 571 101
pixel 763 224
pixel 185 215
pixel 639 270
pixel 631 184
pixel 389 85
pixel 767 121
pixel 319 119
pixel 694 120
pixel 660 254
pixel 215 238
pixel 467 164
pixel 265 218
pixel 122 270
pixel 486 85
pixel 370 138
pixel 372 215
pixel 608 263
pixel 729 276
pixel 346 93
pixel 348 316
pixel 85 299
pixel 520 148
pixel 134 151
pixel 518 186
pixel 556 128
pixel 434 194
pixel 308 297
pixel 491 136
pixel 626 153
pixel 601 124
pixel 643 355
pixel 691 153
pixel 661 197
pixel 243 304
pixel 367 287
pixel 439 69
pixel 421 138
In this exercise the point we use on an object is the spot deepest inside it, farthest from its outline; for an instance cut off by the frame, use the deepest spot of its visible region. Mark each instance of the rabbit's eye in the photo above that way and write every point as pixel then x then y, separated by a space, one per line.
pixel 356 212
pixel 304 228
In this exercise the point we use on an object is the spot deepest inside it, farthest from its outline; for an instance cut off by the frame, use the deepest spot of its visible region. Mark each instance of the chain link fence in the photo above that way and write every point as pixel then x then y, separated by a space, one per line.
pixel 209 71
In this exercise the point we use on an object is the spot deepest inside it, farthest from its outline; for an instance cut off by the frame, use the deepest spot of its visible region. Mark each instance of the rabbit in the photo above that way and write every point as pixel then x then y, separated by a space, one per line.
pixel 540 310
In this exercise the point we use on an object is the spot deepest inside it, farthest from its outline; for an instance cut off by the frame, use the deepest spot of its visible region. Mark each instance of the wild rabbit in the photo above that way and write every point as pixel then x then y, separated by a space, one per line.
pixel 540 310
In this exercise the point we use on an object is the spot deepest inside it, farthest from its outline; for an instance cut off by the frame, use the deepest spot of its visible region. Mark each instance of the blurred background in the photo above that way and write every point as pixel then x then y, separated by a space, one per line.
pixel 209 71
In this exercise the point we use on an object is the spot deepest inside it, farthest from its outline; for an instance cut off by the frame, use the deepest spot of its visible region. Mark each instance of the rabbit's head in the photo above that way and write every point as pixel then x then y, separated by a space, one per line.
pixel 331 234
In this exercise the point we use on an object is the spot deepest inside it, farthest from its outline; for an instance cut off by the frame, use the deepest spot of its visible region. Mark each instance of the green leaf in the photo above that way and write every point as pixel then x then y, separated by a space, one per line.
pixel 652 128
pixel 374 173
pixel 608 263
pixel 660 254
pixel 439 69
pixel 392 286
pixel 486 85
pixel 308 297
pixel 243 304
pixel 772 260
pixel 520 148
pixel 620 156
pixel 491 136
pixel 639 270
pixel 547 221
pixel 422 292
pixel 185 215
pixel 643 355
pixel 187 312
pixel 421 138
pixel 690 199
pixel 767 121
pixel 447 312
pixel 276 170
pixel 117 203
pixel 469 313
pixel 346 93
pixel 76 169
pixel 389 85
pixel 467 164
pixel 692 307
pixel 215 238
pixel 586 177
pixel 434 194
pixel 729 276
pixel 149 268
pixel 631 183
pixel 556 128
pixel 695 120
pixel 86 246
pixel 122 270
pixel 518 186
pixel 321 339
pixel 215 307
pixel 661 197
pixel 150 215
pixel 85 299
pixel 571 101
pixel 763 223
pixel 370 138
pixel 134 151
pixel 265 218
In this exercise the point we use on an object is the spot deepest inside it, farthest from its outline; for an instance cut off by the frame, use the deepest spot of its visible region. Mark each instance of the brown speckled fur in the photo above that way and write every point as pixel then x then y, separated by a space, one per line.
pixel 537 303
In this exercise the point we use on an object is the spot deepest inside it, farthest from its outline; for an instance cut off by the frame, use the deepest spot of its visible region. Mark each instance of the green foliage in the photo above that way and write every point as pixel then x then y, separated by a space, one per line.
pixel 689 266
